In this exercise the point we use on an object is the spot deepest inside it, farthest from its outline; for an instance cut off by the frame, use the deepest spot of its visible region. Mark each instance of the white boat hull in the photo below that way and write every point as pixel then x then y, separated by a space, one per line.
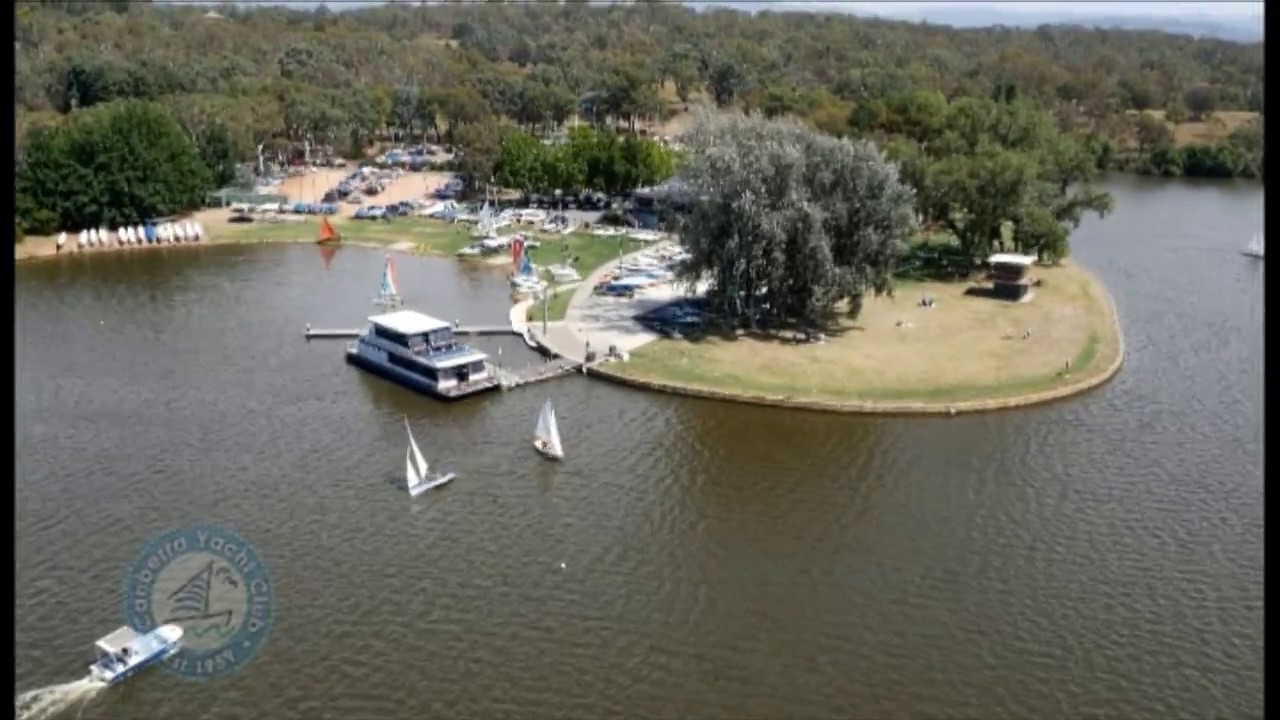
pixel 149 649
pixel 546 451
pixel 430 484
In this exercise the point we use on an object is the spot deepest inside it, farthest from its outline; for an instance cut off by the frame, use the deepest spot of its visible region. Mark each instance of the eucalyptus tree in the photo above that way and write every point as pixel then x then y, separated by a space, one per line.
pixel 786 222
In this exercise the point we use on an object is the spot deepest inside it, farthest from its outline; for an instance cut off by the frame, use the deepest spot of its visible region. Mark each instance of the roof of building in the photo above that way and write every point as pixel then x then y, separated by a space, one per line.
pixel 1012 259
pixel 408 322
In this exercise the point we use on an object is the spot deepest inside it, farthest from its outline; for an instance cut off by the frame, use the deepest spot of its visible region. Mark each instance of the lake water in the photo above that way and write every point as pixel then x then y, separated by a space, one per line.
pixel 1101 556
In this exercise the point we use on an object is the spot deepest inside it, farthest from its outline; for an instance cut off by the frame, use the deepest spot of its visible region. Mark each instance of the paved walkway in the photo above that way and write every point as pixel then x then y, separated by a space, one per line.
pixel 604 321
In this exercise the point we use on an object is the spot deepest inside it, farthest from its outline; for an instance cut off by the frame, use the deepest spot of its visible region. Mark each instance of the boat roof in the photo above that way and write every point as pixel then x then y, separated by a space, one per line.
pixel 1012 259
pixel 119 638
pixel 462 356
pixel 409 322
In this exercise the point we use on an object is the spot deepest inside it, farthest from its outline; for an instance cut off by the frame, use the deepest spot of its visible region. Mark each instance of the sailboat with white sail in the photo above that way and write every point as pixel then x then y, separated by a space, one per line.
pixel 1257 248
pixel 418 475
pixel 389 292
pixel 547 434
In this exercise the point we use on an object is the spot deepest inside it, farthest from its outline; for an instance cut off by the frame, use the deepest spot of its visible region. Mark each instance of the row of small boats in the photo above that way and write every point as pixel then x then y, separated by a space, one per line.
pixel 169 233
pixel 419 477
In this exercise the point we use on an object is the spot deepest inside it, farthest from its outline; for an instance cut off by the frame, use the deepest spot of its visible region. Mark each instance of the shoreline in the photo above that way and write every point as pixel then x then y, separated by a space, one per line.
pixel 1092 378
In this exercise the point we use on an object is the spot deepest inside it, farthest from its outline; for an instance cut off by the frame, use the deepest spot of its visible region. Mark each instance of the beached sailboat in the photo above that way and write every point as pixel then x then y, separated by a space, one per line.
pixel 389 292
pixel 1257 248
pixel 525 280
pixel 547 434
pixel 327 233
pixel 418 475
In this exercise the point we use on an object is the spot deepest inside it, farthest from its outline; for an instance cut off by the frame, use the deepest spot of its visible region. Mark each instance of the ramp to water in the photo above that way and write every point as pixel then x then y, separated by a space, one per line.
pixel 52 701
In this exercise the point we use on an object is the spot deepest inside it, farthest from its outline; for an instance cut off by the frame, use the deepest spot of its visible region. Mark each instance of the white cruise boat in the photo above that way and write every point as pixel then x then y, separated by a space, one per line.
pixel 421 353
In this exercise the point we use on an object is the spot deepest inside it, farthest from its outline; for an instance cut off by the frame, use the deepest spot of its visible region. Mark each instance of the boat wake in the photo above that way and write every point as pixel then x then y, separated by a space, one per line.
pixel 52 701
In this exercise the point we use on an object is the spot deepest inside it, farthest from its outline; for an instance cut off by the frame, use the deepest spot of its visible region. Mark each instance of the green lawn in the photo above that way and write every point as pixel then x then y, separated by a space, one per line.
pixel 431 236
pixel 591 251
pixel 557 304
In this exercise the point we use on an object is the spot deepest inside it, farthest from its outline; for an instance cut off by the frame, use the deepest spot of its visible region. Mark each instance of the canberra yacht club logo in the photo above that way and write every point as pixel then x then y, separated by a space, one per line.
pixel 209 581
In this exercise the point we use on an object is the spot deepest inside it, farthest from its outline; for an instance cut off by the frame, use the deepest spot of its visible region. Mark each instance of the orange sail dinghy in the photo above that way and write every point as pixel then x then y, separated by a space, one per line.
pixel 327 233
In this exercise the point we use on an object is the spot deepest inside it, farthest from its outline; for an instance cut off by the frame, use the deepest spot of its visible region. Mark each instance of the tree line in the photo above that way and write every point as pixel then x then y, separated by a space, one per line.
pixel 601 160
pixel 489 77
pixel 289 74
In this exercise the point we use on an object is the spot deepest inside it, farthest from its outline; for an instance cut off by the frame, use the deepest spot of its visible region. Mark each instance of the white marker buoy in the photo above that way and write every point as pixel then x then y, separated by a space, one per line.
pixel 562 566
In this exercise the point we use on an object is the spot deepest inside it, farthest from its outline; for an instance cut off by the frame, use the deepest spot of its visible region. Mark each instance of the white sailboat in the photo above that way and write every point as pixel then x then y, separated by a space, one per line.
pixel 547 434
pixel 388 292
pixel 1257 248
pixel 418 475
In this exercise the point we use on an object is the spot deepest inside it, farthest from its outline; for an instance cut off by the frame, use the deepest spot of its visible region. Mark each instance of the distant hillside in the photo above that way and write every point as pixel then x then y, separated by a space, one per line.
pixel 969 16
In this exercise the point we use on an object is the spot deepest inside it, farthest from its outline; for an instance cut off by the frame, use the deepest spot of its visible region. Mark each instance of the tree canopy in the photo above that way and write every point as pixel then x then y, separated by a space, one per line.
pixel 237 77
pixel 272 72
pixel 600 160
pixel 122 162
pixel 786 222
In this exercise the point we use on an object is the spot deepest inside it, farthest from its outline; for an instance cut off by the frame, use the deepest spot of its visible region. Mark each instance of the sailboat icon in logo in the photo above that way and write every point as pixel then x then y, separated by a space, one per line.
pixel 192 603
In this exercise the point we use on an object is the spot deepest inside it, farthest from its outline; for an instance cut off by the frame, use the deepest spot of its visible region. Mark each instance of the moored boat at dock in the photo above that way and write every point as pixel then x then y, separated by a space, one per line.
pixel 421 353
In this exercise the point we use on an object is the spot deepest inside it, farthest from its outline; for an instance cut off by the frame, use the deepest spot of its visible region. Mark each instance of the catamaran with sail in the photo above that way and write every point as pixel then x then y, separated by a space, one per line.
pixel 389 293
pixel 418 475
pixel 1257 248
pixel 547 434
pixel 126 652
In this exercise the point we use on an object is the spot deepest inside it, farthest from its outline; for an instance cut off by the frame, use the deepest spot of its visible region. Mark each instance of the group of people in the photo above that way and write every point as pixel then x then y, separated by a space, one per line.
pixel 168 233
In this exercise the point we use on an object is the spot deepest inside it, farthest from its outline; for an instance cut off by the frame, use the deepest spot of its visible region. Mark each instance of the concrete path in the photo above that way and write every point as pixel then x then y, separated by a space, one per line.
pixel 604 321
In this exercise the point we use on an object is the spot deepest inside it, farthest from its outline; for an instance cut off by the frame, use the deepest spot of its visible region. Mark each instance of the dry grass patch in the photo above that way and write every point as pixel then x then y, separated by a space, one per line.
pixel 1216 127
pixel 952 352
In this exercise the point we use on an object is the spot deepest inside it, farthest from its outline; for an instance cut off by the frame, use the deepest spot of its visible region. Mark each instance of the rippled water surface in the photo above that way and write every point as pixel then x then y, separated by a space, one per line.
pixel 1096 557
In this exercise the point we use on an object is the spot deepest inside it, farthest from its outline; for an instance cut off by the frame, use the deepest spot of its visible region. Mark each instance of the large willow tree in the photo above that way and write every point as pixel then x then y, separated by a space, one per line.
pixel 786 222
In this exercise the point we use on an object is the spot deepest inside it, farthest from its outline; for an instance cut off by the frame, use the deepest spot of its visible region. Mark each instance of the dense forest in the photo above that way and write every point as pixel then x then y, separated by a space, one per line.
pixel 469 73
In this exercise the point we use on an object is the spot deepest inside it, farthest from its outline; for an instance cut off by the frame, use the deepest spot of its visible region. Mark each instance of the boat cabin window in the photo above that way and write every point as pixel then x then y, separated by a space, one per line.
pixel 412 366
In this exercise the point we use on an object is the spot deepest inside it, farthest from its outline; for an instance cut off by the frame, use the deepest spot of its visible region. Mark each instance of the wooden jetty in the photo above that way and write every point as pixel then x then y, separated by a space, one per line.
pixel 541 373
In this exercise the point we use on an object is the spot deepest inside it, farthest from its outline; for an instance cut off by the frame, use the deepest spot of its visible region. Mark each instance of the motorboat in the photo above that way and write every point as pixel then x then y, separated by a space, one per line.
pixel 527 285
pixel 126 652
pixel 533 217
pixel 564 274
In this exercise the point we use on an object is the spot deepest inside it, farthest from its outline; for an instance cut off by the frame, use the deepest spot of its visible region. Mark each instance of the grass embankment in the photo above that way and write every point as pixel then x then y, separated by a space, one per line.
pixel 966 348
pixel 587 253
pixel 419 234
